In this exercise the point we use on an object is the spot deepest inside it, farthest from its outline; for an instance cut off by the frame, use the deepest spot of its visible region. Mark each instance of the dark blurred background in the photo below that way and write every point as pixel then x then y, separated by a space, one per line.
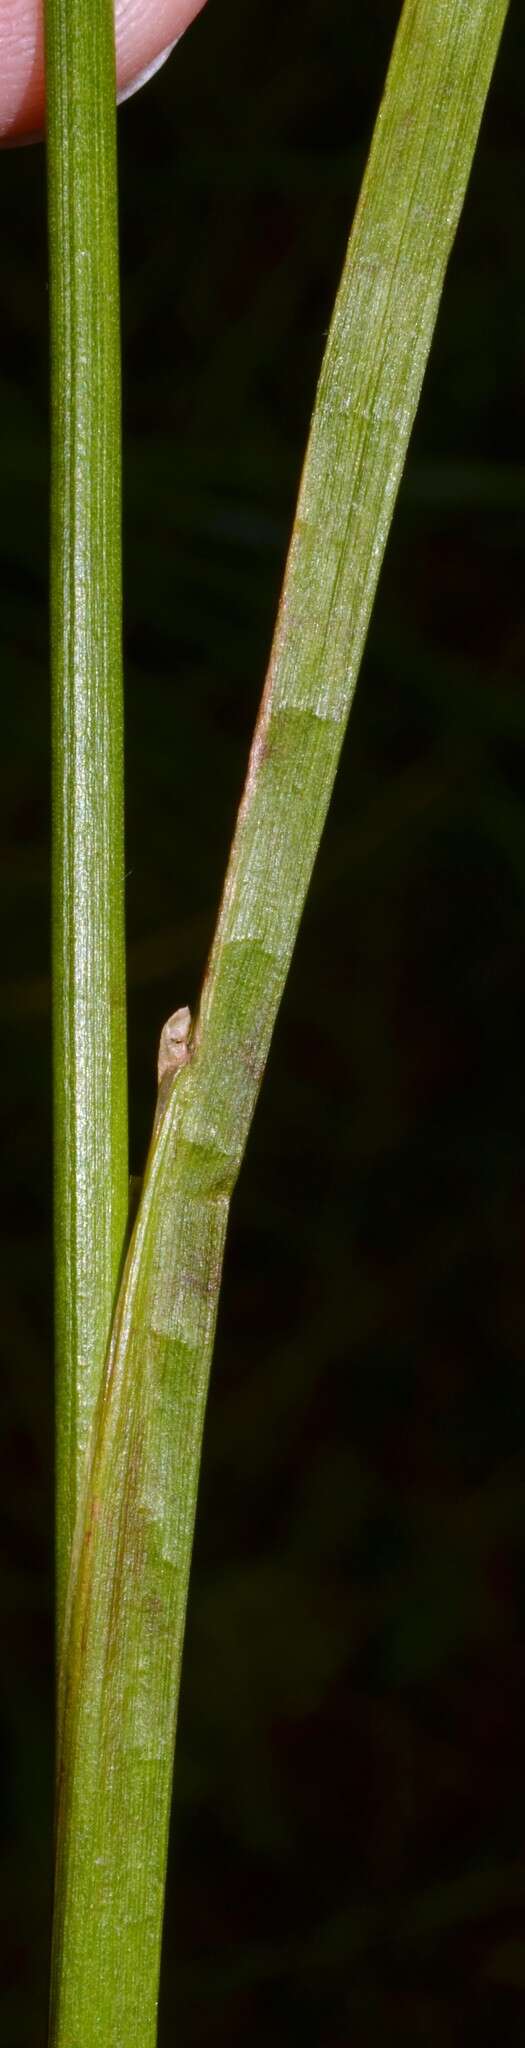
pixel 347 1847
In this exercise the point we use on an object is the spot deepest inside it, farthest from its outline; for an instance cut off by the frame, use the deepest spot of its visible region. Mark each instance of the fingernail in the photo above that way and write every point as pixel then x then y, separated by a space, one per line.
pixel 144 76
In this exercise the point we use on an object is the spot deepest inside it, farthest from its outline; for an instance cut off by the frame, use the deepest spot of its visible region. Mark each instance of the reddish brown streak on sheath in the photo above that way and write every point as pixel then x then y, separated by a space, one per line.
pixel 130 1547
pixel 258 752
pixel 259 746
pixel 94 1514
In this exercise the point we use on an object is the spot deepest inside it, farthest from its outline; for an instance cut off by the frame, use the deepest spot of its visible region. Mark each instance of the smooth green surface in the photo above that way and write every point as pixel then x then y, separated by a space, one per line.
pixel 89 1029
pixel 128 1592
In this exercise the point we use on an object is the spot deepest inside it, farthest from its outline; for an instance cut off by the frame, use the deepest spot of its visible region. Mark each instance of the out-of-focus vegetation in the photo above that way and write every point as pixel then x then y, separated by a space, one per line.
pixel 347 1841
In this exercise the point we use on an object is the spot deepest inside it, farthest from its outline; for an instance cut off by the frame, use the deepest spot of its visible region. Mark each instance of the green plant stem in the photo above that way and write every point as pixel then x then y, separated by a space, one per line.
pixel 128 1587
pixel 89 1030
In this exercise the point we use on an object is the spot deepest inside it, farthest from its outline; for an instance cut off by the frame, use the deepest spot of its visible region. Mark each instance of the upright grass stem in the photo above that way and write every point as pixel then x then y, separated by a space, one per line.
pixel 89 1031
pixel 128 1584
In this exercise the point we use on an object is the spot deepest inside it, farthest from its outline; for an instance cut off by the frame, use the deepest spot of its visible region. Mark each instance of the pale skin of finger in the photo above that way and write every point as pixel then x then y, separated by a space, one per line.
pixel 145 31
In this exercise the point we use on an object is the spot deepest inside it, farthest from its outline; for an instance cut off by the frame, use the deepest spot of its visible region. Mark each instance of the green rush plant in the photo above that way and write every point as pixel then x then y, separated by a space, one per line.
pixel 135 1320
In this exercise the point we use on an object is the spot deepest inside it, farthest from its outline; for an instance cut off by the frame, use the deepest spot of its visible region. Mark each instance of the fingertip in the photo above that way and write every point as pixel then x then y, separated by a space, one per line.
pixel 146 33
